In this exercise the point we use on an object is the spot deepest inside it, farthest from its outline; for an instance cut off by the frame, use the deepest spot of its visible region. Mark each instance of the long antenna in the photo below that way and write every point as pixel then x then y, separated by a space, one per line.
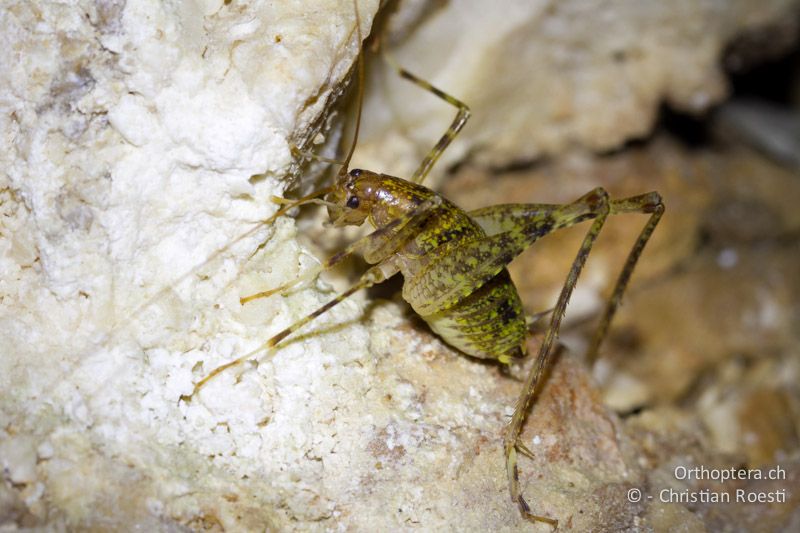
pixel 359 95
pixel 342 171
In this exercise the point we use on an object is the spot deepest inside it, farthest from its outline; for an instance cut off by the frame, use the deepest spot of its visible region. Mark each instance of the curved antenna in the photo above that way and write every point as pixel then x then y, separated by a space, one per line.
pixel 291 204
pixel 360 94
pixel 311 198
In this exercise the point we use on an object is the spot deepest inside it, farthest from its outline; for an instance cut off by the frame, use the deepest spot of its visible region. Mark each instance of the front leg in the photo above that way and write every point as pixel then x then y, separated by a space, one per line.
pixel 375 247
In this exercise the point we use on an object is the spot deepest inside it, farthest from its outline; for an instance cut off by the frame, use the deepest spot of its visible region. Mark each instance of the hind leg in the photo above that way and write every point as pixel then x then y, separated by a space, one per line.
pixel 599 207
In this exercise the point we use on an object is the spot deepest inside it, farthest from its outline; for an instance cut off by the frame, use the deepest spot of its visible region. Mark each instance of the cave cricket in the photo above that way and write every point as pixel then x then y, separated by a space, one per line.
pixel 454 263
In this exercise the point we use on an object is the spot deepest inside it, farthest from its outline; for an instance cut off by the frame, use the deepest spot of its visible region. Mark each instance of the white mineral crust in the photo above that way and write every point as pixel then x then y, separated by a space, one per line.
pixel 130 135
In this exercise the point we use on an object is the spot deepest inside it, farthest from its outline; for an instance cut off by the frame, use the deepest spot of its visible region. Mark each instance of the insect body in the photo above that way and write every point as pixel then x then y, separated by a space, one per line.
pixel 482 314
pixel 454 265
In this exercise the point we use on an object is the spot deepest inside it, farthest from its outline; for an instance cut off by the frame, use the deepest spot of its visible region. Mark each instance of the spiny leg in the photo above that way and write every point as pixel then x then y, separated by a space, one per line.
pixel 376 274
pixel 539 219
pixel 458 268
pixel 600 200
pixel 646 203
pixel 375 247
pixel 543 218
pixel 458 122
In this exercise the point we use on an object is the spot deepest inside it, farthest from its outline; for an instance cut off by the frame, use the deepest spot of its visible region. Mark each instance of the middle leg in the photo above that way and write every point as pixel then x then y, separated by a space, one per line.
pixel 377 247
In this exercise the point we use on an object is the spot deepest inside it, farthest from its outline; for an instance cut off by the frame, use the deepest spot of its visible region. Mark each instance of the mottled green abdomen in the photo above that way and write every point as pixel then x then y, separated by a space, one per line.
pixel 473 306
pixel 489 323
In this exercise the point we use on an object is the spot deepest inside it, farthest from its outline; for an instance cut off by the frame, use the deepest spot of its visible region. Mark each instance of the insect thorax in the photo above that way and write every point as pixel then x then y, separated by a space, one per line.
pixel 486 321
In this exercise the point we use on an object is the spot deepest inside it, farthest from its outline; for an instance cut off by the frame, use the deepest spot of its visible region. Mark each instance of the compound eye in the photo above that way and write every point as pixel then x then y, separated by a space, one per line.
pixel 353 202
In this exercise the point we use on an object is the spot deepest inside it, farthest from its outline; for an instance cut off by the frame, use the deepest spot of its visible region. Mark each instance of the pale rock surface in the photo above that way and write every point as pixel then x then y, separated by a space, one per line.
pixel 131 133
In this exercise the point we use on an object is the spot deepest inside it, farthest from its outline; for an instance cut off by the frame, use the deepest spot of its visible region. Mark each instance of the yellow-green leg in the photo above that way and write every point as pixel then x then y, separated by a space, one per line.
pixel 511 442
pixel 374 275
pixel 458 122
pixel 456 269
pixel 376 247
pixel 646 203
pixel 600 207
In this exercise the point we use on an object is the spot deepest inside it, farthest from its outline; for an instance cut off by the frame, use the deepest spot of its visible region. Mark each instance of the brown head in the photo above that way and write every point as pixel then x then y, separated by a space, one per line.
pixel 350 201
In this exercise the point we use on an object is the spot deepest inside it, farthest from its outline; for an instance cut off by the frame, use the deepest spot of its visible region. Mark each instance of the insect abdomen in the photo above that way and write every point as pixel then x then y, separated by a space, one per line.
pixel 489 323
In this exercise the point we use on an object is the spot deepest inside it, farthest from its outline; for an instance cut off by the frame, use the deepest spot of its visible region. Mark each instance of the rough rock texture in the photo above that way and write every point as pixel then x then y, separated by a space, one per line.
pixel 140 138
pixel 542 76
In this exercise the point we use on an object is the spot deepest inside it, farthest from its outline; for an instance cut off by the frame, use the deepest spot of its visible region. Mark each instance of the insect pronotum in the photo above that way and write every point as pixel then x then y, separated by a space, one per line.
pixel 454 263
